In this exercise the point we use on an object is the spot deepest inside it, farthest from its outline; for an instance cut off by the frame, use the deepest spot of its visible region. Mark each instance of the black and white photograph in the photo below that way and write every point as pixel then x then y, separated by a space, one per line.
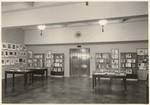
pixel 3 61
pixel 75 52
pixel 9 46
pixel 4 45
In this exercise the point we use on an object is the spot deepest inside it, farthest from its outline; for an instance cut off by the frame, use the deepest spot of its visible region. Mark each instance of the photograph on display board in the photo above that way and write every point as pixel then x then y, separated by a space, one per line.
pixel 24 53
pixel 3 61
pixel 128 71
pixel 9 46
pixel 4 46
pixel 20 60
pixel 3 53
pixel 13 47
pixel 12 61
pixel 48 53
pixel 30 61
pixel 7 61
pixel 24 60
pixel 6 53
pixel 142 51
pixel 18 53
pixel 11 53
pixel 15 54
pixel 21 53
pixel 24 47
pixel 128 56
pixel 20 47
pixel 17 60
pixel 17 47
pixel 30 53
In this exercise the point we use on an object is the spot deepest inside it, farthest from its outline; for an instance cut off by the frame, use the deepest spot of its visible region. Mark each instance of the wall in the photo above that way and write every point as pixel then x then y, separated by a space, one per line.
pixel 94 48
pixel 76 12
pixel 15 36
pixel 128 31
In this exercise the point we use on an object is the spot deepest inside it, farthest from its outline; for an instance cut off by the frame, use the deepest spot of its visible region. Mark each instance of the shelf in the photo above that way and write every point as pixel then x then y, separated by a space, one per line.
pixel 58 59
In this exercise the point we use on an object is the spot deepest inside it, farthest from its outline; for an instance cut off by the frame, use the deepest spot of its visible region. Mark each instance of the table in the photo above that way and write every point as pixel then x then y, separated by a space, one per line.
pixel 94 76
pixel 40 71
pixel 13 72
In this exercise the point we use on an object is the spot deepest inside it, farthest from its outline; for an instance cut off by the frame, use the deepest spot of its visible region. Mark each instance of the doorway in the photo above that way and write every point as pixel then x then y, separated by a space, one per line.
pixel 80 62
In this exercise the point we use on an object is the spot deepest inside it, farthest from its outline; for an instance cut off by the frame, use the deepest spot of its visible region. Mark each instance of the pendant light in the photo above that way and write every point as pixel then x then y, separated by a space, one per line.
pixel 102 23
pixel 41 28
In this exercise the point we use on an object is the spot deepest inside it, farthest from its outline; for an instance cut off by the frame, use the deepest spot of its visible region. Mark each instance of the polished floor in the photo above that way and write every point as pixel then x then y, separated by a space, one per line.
pixel 73 91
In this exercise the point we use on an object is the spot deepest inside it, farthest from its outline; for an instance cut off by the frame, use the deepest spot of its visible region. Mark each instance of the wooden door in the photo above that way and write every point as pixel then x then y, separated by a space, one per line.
pixel 80 62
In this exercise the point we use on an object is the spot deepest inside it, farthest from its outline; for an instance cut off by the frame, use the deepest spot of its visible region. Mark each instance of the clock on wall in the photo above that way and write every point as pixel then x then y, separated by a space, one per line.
pixel 78 34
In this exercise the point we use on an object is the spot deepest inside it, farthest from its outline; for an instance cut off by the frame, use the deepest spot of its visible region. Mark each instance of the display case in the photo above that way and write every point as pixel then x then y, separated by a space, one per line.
pixel 102 61
pixel 142 62
pixel 48 58
pixel 115 59
pixel 58 64
pixel 38 60
pixel 129 64
pixel 30 59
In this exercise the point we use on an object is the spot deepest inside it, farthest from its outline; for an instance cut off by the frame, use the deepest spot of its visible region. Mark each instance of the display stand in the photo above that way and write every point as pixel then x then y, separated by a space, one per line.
pixel 129 64
pixel 58 64
pixel 102 61
pixel 38 60
pixel 115 59
pixel 142 59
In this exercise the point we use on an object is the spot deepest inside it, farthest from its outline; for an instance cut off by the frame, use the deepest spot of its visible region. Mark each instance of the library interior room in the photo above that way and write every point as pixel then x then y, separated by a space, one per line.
pixel 74 52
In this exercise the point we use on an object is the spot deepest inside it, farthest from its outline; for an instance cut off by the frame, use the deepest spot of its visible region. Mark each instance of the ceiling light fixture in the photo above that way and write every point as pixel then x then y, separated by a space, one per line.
pixel 41 28
pixel 102 23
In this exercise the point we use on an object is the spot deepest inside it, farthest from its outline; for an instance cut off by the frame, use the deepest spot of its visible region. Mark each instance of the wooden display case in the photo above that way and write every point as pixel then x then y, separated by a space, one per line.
pixel 30 59
pixel 115 59
pixel 129 64
pixel 38 60
pixel 102 61
pixel 142 62
pixel 48 58
pixel 58 64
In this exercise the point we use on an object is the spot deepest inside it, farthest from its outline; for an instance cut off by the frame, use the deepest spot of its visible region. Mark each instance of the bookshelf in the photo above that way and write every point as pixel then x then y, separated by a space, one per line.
pixel 115 59
pixel 142 62
pixel 129 64
pixel 58 64
pixel 38 60
pixel 102 61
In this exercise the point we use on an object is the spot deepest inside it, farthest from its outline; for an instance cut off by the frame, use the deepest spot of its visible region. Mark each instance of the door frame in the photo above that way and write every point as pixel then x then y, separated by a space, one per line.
pixel 70 59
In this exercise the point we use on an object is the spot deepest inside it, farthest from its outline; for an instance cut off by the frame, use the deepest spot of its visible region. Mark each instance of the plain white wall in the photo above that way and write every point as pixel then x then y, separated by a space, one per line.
pixel 76 12
pixel 131 31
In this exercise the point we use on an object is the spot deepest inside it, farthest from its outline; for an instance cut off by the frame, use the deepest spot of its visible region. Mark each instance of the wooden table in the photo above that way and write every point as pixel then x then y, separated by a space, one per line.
pixel 13 72
pixel 94 76
pixel 40 71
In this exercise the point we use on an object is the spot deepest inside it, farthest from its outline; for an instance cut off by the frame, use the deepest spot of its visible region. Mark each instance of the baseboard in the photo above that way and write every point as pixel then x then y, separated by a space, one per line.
pixel 131 79
pixel 67 76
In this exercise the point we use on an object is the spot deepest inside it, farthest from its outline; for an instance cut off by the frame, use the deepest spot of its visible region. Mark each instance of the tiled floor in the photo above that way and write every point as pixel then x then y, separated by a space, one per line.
pixel 73 91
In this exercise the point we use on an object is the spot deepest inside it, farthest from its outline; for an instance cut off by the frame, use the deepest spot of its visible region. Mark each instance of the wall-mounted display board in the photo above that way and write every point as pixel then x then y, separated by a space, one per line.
pixel 129 64
pixel 102 61
pixel 30 59
pixel 115 59
pixel 38 60
pixel 58 64
pixel 142 61
pixel 13 54
pixel 48 58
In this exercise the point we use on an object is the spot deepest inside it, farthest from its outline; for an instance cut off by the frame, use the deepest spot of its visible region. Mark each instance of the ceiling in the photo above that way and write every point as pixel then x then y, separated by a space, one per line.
pixel 8 7
pixel 21 6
